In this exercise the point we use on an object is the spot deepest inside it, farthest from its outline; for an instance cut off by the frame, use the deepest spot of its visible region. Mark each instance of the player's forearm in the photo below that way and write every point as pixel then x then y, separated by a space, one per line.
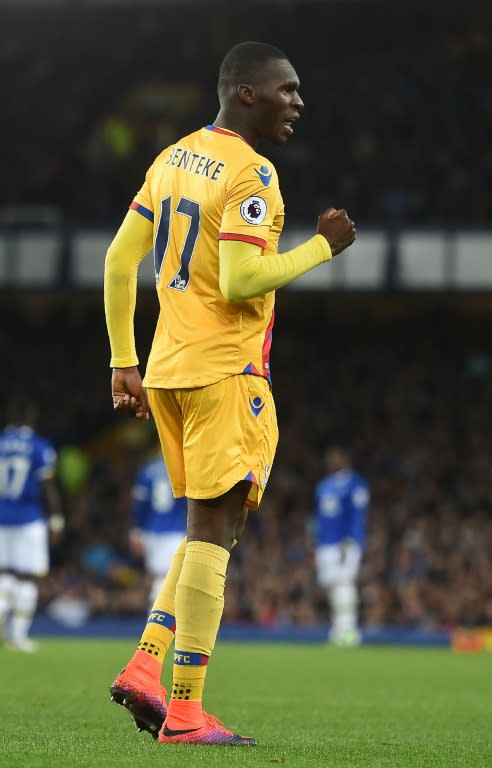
pixel 245 272
pixel 52 499
pixel 125 253
pixel 120 292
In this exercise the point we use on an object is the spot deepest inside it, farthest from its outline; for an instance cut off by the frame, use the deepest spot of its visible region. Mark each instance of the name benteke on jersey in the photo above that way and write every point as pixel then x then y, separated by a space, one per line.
pixel 200 165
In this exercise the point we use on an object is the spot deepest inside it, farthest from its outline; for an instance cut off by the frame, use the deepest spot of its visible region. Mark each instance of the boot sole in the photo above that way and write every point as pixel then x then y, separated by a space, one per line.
pixel 144 715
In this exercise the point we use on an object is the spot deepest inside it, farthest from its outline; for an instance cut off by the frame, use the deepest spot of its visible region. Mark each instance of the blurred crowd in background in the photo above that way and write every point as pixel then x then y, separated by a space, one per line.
pixel 397 130
pixel 405 384
pixel 396 126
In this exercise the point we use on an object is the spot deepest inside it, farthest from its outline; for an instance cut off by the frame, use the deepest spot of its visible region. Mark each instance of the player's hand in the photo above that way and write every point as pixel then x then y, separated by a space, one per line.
pixel 337 228
pixel 56 527
pixel 128 392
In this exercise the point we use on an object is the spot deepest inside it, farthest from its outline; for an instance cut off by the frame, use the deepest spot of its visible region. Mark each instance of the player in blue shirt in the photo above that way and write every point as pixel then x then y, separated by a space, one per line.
pixel 28 495
pixel 159 521
pixel 340 511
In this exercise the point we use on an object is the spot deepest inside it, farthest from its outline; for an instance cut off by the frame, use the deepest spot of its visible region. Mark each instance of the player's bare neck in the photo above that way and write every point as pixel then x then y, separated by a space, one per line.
pixel 232 122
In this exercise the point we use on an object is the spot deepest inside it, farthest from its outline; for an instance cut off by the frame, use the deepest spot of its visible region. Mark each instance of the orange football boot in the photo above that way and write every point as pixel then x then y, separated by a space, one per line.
pixel 138 688
pixel 211 732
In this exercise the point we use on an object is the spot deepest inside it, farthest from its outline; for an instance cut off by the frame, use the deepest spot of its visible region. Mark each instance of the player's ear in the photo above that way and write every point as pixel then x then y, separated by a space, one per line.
pixel 246 93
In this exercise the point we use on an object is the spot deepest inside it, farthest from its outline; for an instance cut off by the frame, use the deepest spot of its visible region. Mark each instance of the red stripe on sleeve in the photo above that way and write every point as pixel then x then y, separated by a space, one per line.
pixel 243 238
pixel 146 212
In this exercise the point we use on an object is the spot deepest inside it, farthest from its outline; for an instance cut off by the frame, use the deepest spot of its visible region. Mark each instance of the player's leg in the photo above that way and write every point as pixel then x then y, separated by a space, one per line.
pixel 30 552
pixel 338 567
pixel 233 443
pixel 7 591
pixel 344 605
pixel 241 525
pixel 138 686
pixel 211 531
pixel 345 601
pixel 327 563
pixel 7 580
pixel 24 607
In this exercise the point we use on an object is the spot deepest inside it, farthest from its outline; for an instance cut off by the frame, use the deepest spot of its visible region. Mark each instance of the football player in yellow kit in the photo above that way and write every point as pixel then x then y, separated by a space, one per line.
pixel 212 208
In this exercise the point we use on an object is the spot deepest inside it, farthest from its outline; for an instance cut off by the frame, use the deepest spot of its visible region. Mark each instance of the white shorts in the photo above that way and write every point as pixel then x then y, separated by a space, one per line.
pixel 159 551
pixel 337 564
pixel 25 548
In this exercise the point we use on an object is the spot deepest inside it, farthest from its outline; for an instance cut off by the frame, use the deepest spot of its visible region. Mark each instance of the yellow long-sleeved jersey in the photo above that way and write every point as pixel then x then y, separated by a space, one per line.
pixel 212 208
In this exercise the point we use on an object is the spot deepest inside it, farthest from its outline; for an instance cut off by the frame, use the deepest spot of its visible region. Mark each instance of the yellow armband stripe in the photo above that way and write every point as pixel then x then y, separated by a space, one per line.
pixel 245 272
pixel 131 244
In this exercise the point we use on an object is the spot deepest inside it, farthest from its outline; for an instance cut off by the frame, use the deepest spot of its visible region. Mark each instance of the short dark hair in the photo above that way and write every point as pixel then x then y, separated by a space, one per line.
pixel 21 410
pixel 243 63
pixel 337 455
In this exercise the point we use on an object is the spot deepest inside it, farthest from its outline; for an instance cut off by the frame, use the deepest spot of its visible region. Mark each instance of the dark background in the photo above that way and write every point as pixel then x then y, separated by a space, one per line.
pixel 396 125
pixel 396 129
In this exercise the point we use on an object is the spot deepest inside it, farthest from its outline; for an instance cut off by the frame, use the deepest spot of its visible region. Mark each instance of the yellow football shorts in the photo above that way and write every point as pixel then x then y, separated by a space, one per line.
pixel 213 437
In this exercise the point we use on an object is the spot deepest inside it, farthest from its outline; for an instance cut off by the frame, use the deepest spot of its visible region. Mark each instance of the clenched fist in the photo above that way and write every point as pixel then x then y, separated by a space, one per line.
pixel 337 228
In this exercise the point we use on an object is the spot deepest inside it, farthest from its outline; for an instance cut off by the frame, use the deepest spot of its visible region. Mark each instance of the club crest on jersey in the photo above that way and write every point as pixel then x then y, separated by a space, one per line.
pixel 264 175
pixel 178 283
pixel 256 404
pixel 253 210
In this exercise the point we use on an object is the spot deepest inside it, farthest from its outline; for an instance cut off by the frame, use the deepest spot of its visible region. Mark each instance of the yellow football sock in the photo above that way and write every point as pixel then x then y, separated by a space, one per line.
pixel 161 623
pixel 199 606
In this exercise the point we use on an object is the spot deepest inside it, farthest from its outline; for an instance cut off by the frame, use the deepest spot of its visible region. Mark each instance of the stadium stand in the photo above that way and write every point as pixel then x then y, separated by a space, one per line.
pixel 396 132
pixel 414 404
pixel 399 137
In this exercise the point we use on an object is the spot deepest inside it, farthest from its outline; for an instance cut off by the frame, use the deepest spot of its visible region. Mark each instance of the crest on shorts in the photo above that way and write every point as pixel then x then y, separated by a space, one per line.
pixel 253 210
pixel 256 404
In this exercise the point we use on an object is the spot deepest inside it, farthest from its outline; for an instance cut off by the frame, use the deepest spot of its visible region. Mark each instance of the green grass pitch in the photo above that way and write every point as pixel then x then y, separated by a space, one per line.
pixel 307 705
